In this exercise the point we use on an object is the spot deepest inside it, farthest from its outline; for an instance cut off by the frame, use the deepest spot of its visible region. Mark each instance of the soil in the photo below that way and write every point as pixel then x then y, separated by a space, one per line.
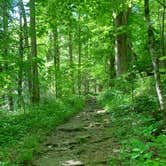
pixel 84 140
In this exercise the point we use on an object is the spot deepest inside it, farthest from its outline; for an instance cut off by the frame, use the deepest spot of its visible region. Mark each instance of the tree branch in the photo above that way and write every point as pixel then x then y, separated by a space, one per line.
pixel 161 3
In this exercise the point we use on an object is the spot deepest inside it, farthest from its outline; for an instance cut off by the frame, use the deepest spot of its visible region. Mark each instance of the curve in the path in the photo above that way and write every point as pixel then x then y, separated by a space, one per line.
pixel 85 140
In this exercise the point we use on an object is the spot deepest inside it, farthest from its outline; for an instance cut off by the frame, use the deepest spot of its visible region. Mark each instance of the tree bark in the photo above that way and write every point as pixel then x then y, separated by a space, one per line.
pixel 56 61
pixel 111 71
pixel 20 72
pixel 154 56
pixel 121 46
pixel 71 60
pixel 35 86
pixel 26 47
pixel 163 31
pixel 5 50
pixel 79 58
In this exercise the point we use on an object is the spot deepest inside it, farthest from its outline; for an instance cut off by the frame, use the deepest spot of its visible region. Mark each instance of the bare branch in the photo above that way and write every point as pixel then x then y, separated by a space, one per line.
pixel 161 3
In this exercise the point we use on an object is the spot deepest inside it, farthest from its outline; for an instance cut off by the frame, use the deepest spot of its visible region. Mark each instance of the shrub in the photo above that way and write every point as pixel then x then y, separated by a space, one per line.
pixel 20 134
pixel 144 103
pixel 134 128
pixel 105 97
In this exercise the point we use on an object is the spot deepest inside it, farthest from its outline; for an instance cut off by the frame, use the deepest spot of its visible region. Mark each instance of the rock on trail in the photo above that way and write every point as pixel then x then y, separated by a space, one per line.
pixel 85 140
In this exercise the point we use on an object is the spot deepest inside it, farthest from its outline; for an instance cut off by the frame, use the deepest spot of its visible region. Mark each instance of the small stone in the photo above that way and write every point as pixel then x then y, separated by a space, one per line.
pixel 73 163
pixel 116 150
pixel 101 111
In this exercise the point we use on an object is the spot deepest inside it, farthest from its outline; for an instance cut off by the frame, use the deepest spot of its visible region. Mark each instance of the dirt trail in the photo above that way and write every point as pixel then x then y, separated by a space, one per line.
pixel 85 140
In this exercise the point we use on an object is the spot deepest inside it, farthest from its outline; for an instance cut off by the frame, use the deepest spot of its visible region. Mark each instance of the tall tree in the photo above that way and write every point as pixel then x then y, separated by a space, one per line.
pixel 79 55
pixel 56 59
pixel 71 59
pixel 21 54
pixel 26 46
pixel 121 46
pixel 35 78
pixel 163 30
pixel 154 55
pixel 5 8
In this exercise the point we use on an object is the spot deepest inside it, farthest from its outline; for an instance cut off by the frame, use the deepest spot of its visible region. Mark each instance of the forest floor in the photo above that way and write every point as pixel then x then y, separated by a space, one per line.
pixel 84 140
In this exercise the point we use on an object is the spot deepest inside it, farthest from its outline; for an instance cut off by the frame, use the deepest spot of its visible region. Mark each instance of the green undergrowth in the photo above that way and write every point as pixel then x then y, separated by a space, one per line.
pixel 135 123
pixel 21 134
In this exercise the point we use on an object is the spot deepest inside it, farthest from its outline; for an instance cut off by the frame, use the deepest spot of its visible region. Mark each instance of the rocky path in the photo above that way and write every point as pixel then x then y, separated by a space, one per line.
pixel 85 140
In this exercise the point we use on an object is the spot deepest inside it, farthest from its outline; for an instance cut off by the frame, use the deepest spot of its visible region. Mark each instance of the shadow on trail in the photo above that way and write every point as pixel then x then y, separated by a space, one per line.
pixel 85 140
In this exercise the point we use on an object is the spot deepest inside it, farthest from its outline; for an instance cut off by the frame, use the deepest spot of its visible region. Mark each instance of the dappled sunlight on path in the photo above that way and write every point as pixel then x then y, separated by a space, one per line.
pixel 85 140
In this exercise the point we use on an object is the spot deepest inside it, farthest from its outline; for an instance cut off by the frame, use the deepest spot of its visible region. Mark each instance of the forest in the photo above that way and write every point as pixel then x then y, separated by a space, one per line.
pixel 83 82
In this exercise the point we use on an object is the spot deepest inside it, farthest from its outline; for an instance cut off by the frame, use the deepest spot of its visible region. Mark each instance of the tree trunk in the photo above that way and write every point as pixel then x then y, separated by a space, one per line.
pixel 26 47
pixel 10 100
pixel 86 72
pixel 154 56
pixel 56 61
pixel 71 60
pixel 35 86
pixel 79 59
pixel 163 31
pixel 5 50
pixel 20 72
pixel 111 71
pixel 5 32
pixel 121 46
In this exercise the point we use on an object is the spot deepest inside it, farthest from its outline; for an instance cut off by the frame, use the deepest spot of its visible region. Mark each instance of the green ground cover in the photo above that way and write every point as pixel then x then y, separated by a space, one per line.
pixel 21 134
